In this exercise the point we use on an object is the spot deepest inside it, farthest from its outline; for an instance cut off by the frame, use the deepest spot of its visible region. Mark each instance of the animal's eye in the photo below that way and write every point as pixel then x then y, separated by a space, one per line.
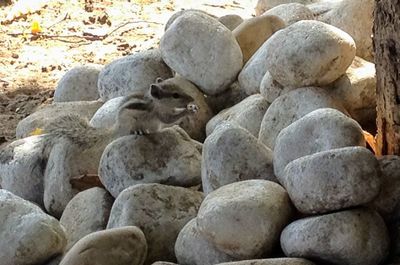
pixel 175 95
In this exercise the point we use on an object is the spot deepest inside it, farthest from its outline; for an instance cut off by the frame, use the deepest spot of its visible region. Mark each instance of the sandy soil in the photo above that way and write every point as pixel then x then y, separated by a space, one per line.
pixel 77 32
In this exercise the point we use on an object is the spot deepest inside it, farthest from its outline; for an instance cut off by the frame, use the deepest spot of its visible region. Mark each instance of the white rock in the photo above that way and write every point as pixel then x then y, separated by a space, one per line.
pixel 320 130
pixel 133 73
pixel 181 12
pixel 78 84
pixel 28 235
pixel 169 157
pixel 264 5
pixel 22 166
pixel 86 213
pixel 332 180
pixel 232 154
pixel 106 115
pixel 270 89
pixel 291 13
pixel 248 114
pixel 353 237
pixel 192 248
pixel 290 107
pixel 294 56
pixel 160 211
pixel 212 65
pixel 244 219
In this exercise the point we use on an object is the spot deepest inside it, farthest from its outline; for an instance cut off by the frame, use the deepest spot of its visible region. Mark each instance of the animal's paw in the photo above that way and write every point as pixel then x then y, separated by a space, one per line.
pixel 192 108
pixel 141 132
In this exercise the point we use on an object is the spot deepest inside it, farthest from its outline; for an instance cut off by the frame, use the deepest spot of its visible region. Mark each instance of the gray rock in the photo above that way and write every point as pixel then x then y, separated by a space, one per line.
pixel 163 263
pixel 253 32
pixel 160 211
pixel 119 246
pixel 232 96
pixel 291 13
pixel 168 157
pixel 294 56
pixel 181 12
pixel 244 219
pixel 211 65
pixel 67 161
pixel 248 114
pixel 271 89
pixel 389 197
pixel 49 113
pixel 54 261
pixel 133 73
pixel 106 115
pixel 353 237
pixel 290 107
pixel 332 180
pixel 231 21
pixel 232 154
pixel 356 91
pixel 264 5
pixel 191 248
pixel 22 166
pixel 86 213
pixel 319 130
pixel 28 235
pixel 78 84
pixel 354 17
pixel 276 261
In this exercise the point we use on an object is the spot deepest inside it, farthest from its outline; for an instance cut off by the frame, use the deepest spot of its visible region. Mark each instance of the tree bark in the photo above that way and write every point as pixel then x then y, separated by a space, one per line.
pixel 387 60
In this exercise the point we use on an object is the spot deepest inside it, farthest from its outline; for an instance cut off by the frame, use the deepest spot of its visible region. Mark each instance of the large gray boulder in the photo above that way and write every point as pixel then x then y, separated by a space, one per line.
pixel 161 211
pixel 211 65
pixel 22 166
pixel 292 106
pixel 291 13
pixel 264 5
pixel 133 73
pixel 232 154
pixel 118 246
pixel 319 130
pixel 332 180
pixel 244 219
pixel 294 56
pixel 86 213
pixel 191 248
pixel 169 157
pixel 247 114
pixel 353 237
pixel 78 84
pixel 50 113
pixel 28 235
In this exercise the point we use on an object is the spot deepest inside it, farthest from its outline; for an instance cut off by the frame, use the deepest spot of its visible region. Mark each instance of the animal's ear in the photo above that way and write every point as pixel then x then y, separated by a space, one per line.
pixel 155 91
pixel 159 80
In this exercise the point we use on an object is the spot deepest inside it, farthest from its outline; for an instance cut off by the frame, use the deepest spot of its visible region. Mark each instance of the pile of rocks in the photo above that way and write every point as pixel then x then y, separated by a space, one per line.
pixel 272 170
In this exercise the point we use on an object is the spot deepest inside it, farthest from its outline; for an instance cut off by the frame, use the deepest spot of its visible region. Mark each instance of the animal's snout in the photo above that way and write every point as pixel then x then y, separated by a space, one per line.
pixel 192 107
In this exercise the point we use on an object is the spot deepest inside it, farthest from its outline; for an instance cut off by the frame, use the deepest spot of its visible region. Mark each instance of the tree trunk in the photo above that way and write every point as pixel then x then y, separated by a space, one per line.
pixel 387 60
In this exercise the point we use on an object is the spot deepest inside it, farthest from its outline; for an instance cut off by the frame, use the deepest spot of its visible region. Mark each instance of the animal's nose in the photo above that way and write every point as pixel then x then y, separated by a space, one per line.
pixel 192 107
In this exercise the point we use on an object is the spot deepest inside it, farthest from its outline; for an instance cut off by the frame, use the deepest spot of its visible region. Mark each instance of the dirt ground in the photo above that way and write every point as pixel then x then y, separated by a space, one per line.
pixel 73 33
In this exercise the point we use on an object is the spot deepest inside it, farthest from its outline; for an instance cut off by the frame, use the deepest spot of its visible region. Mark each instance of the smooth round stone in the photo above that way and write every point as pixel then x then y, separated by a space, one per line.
pixel 389 196
pixel 320 130
pixel 247 159
pixel 28 235
pixel 253 32
pixel 264 5
pixel 118 246
pixel 78 84
pixel 276 261
pixel 332 180
pixel 353 237
pixel 49 113
pixel 294 56
pixel 230 97
pixel 168 157
pixel 290 107
pixel 22 166
pixel 192 248
pixel 211 65
pixel 106 115
pixel 244 219
pixel 163 263
pixel 291 13
pixel 181 12
pixel 231 21
pixel 270 89
pixel 132 73
pixel 161 212
pixel 247 114
pixel 86 213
